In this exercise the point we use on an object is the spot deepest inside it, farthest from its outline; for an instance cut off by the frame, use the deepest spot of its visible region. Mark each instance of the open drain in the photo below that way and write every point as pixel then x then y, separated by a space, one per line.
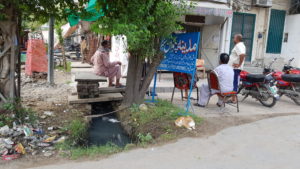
pixel 106 129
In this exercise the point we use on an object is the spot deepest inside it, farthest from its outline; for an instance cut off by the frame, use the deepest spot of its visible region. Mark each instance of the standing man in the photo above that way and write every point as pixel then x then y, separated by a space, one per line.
pixel 103 66
pixel 237 60
pixel 83 49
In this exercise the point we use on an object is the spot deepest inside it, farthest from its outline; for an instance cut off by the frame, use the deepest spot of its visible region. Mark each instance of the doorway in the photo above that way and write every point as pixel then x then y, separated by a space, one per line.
pixel 244 23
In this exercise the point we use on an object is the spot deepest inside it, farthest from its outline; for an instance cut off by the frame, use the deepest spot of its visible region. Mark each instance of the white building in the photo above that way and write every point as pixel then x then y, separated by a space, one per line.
pixel 262 23
pixel 291 42
pixel 268 29
pixel 211 19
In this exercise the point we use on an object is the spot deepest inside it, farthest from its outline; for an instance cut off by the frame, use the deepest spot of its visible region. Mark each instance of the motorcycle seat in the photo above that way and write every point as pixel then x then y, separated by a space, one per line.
pixel 291 77
pixel 255 78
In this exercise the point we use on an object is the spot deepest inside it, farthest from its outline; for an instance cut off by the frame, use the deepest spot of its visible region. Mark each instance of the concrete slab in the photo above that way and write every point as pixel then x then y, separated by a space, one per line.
pixel 86 76
pixel 76 70
pixel 247 108
pixel 104 90
pixel 80 65
pixel 73 99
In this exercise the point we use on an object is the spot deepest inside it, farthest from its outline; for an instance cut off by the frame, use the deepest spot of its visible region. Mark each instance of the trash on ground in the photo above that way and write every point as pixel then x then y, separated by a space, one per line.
pixel 143 107
pixel 20 149
pixel 27 131
pixel 48 113
pixel 50 139
pixel 4 131
pixel 28 139
pixel 10 157
pixel 48 154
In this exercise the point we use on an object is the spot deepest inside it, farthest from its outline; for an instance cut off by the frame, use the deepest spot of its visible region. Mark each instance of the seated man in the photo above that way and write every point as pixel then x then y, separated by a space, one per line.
pixel 103 66
pixel 225 75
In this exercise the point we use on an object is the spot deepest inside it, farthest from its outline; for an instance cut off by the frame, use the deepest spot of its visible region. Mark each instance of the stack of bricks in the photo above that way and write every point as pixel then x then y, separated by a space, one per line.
pixel 88 85
pixel 87 89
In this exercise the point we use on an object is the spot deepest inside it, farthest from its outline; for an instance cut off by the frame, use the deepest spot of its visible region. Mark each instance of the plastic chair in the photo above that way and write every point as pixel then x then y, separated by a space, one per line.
pixel 213 83
pixel 182 82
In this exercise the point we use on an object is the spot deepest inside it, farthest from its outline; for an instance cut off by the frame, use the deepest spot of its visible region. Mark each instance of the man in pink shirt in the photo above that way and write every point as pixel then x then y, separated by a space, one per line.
pixel 103 66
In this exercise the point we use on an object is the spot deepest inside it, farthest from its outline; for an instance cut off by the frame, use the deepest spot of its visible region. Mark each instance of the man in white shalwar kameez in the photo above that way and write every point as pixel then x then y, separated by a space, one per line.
pixel 225 75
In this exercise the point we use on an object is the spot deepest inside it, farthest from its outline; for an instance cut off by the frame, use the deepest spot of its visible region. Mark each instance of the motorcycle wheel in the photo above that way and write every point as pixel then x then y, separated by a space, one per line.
pixel 297 99
pixel 268 100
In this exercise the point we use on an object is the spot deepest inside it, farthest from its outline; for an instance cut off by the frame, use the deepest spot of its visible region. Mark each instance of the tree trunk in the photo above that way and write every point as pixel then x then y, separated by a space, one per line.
pixel 136 85
pixel 134 75
pixel 8 54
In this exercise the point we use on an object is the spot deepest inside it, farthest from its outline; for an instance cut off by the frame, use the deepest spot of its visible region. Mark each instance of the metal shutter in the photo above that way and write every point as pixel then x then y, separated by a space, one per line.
pixel 276 28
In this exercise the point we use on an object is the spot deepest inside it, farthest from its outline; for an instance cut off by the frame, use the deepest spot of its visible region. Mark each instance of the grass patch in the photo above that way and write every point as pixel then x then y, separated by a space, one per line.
pixel 144 139
pixel 61 68
pixel 93 151
pixel 77 131
pixel 167 136
pixel 75 145
pixel 152 125
pixel 13 111
pixel 157 121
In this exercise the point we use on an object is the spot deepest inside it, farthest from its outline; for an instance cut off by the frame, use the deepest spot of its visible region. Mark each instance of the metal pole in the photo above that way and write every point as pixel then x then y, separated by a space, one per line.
pixel 153 92
pixel 50 51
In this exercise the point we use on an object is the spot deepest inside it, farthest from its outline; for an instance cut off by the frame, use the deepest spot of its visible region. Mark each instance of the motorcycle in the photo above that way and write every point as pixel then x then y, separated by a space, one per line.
pixel 259 86
pixel 288 81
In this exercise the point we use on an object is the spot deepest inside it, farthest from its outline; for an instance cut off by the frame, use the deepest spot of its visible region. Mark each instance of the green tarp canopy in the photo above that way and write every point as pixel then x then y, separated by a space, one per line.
pixel 94 14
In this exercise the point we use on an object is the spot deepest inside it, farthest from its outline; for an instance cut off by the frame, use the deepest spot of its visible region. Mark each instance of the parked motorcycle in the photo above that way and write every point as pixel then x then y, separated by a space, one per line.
pixel 259 86
pixel 288 81
pixel 288 69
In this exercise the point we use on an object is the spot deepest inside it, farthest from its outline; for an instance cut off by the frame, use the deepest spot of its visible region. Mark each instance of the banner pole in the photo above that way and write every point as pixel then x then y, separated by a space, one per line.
pixel 190 92
pixel 154 87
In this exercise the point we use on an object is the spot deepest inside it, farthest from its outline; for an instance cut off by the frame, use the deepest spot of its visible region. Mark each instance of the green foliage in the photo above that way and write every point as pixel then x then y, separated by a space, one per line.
pixel 167 136
pixel 158 122
pixel 5 120
pixel 163 110
pixel 77 132
pixel 20 114
pixel 134 108
pixel 68 69
pixel 40 10
pixel 143 22
pixel 2 16
pixel 78 152
pixel 144 139
pixel 33 25
pixel 59 31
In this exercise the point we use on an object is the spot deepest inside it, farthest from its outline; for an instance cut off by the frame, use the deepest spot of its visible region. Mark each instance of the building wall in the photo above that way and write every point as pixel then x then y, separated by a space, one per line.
pixel 280 5
pixel 210 45
pixel 291 49
pixel 259 55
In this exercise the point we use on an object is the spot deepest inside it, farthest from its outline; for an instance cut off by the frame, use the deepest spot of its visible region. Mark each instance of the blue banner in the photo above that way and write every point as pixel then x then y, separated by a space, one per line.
pixel 181 53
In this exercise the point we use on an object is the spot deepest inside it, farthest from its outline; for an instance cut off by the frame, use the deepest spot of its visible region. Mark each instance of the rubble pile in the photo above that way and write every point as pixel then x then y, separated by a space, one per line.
pixel 29 139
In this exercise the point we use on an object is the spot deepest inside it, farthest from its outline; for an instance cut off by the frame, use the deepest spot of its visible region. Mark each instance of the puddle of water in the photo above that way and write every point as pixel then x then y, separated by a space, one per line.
pixel 106 129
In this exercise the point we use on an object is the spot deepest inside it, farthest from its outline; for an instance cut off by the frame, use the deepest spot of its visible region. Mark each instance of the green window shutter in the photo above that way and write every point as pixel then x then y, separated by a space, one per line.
pixel 276 28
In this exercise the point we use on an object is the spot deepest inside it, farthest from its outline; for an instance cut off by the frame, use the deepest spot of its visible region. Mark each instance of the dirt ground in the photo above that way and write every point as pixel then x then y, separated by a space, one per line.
pixel 41 97
pixel 209 127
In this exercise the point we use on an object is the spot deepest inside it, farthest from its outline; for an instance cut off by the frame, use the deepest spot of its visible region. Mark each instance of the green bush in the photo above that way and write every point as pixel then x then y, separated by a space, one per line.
pixel 77 132
pixel 144 139
pixel 15 112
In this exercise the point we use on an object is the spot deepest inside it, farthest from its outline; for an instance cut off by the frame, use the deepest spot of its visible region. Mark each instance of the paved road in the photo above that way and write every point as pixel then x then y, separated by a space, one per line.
pixel 266 144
